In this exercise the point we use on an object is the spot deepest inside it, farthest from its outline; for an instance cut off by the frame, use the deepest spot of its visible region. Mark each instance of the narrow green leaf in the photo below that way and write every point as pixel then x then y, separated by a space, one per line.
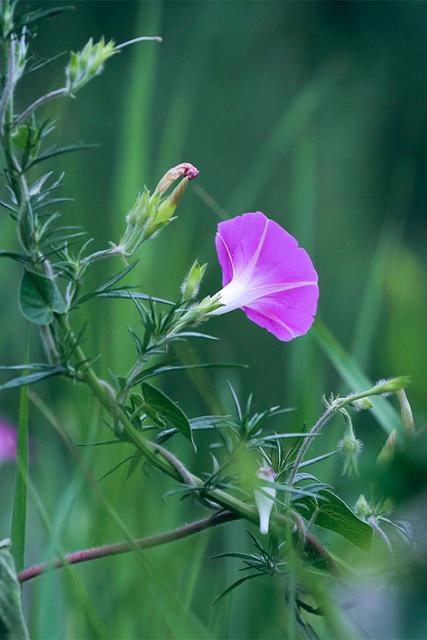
pixel 19 509
pixel 235 585
pixel 17 257
pixel 159 370
pixel 332 513
pixel 353 376
pixel 128 294
pixel 164 411
pixel 40 298
pixel 12 623
pixel 31 378
pixel 58 151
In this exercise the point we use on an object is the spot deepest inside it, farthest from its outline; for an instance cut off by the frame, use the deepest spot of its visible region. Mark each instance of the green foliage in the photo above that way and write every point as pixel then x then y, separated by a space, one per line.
pixel 163 411
pixel 327 510
pixel 40 298
pixel 63 284
pixel 12 623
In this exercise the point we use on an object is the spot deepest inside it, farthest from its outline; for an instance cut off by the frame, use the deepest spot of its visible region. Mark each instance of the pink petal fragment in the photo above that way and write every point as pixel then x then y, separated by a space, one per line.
pixel 268 275
pixel 7 442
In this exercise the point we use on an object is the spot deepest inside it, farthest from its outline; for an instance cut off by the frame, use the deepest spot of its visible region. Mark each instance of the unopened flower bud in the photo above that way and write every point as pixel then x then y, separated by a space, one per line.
pixel 350 448
pixel 384 387
pixel 405 411
pixel 362 508
pixel 168 206
pixel 183 170
pixel 263 502
pixel 362 404
pixel 191 285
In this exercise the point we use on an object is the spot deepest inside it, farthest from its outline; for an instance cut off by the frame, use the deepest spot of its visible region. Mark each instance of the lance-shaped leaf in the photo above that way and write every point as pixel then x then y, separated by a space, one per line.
pixel 332 513
pixel 47 372
pixel 40 298
pixel 164 411
pixel 12 624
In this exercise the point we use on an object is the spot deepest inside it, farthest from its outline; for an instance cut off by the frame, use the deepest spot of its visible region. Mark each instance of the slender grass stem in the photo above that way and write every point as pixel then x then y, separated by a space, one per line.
pixel 19 510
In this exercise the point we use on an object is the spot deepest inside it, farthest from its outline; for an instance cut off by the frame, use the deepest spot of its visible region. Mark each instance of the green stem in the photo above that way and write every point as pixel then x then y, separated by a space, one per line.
pixel 333 408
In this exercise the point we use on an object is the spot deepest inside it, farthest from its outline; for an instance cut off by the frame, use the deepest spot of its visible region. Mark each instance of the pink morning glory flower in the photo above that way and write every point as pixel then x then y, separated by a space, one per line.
pixel 7 442
pixel 267 274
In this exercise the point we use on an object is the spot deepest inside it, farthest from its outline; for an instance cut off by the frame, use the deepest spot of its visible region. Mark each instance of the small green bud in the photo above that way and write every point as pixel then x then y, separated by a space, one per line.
pixel 362 404
pixel 349 447
pixel 6 17
pixel 191 285
pixel 390 386
pixel 88 63
pixel 21 50
pixel 362 508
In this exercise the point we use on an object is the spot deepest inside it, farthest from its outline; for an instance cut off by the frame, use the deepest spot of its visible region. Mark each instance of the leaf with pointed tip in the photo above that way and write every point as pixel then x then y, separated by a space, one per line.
pixel 31 378
pixel 236 584
pixel 127 294
pixel 58 151
pixel 159 370
pixel 164 411
pixel 332 513
pixel 317 459
pixel 17 257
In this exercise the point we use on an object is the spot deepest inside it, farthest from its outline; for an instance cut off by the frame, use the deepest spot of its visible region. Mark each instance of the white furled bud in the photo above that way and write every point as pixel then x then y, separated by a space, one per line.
pixel 405 411
pixel 263 502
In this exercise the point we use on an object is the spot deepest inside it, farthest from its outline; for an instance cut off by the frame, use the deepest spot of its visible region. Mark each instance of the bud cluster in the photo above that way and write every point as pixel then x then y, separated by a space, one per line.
pixel 152 212
pixel 88 63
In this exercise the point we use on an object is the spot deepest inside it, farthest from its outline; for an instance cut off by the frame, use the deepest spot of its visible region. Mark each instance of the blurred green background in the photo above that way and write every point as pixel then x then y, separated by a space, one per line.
pixel 314 113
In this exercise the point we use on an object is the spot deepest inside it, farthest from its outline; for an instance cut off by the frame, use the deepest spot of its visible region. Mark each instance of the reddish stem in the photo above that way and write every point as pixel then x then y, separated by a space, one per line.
pixel 125 547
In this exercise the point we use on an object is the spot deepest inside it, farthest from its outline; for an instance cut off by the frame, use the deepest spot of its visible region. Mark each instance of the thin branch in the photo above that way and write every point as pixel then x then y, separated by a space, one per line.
pixel 125 547
pixel 139 39
pixel 57 93
pixel 335 406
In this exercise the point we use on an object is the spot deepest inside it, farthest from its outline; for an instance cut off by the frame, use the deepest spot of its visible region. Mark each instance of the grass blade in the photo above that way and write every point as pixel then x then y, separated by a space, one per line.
pixel 352 375
pixel 19 509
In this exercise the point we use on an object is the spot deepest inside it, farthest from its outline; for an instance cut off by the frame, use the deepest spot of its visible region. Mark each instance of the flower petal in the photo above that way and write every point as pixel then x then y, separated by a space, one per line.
pixel 287 315
pixel 268 275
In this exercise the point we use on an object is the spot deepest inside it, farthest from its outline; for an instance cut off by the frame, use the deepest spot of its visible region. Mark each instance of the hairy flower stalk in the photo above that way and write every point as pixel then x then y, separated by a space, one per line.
pixel 383 387
pixel 267 275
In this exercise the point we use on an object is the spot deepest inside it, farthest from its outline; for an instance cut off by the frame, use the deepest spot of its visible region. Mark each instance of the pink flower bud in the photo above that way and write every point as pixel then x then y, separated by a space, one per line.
pixel 183 170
